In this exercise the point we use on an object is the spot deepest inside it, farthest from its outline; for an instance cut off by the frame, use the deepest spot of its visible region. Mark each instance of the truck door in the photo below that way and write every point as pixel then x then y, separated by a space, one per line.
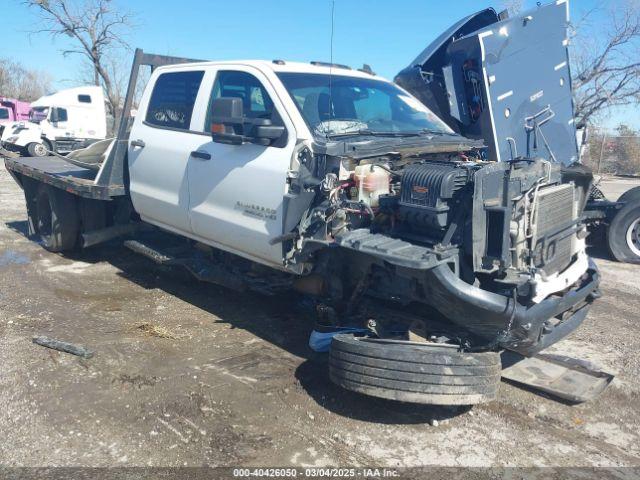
pixel 161 140
pixel 58 124
pixel 236 191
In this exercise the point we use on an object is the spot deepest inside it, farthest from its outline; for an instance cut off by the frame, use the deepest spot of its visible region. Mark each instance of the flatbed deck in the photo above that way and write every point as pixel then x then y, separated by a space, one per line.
pixel 61 174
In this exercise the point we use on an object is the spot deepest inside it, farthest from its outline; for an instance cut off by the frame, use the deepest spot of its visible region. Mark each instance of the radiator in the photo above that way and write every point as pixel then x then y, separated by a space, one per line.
pixel 554 236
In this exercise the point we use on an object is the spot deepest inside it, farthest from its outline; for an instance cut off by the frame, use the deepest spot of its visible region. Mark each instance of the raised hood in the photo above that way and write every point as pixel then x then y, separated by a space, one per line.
pixel 505 81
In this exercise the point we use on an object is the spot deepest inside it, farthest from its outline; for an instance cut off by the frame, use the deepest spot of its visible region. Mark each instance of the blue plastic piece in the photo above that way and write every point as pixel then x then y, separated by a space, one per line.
pixel 321 341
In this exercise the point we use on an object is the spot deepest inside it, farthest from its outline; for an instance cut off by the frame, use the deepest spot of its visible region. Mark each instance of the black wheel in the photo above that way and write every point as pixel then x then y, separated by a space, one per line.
pixel 623 235
pixel 630 195
pixel 38 149
pixel 56 220
pixel 436 374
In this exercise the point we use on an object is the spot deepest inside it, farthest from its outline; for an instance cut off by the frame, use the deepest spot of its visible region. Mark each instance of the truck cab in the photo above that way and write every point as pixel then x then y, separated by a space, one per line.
pixel 11 111
pixel 61 122
pixel 233 196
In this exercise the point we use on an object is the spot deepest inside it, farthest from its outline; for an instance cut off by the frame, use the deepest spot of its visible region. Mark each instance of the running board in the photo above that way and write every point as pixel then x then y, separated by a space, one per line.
pixel 566 378
pixel 200 267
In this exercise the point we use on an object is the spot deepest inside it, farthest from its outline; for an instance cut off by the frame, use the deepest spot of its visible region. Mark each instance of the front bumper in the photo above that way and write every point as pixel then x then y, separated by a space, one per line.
pixel 502 321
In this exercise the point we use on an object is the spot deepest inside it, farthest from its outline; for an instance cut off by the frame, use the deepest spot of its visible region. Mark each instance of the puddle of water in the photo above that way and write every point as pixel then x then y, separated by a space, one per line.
pixel 10 257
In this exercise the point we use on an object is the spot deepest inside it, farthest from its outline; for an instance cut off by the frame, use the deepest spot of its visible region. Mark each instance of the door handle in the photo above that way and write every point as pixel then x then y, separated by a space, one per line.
pixel 138 143
pixel 201 155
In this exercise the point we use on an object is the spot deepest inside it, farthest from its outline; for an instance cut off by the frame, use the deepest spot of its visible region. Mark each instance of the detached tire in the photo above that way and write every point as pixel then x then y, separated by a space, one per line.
pixel 56 221
pixel 435 374
pixel 623 235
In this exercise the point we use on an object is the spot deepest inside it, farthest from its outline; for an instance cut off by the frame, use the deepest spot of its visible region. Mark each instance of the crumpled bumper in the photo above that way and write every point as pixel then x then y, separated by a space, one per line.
pixel 504 322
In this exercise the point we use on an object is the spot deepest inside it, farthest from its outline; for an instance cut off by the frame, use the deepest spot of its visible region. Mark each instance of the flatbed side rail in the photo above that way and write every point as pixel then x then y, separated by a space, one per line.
pixel 112 171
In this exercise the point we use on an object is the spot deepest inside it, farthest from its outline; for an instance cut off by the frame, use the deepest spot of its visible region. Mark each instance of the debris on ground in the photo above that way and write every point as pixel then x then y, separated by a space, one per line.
pixel 63 346
pixel 563 377
pixel 157 331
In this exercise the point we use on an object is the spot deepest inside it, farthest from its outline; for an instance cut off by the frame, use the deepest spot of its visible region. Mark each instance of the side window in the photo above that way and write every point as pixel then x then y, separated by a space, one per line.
pixel 255 99
pixel 172 99
pixel 84 98
pixel 62 115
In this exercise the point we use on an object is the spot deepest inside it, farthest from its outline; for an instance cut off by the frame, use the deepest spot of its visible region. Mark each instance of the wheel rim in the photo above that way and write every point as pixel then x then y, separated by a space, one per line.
pixel 40 150
pixel 633 237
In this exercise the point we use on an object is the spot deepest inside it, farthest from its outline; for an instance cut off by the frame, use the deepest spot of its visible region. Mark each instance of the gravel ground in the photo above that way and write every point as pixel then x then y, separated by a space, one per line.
pixel 231 382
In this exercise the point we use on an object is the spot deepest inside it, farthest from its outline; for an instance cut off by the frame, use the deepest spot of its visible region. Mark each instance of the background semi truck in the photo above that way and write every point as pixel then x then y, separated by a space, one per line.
pixel 12 110
pixel 275 177
pixel 61 122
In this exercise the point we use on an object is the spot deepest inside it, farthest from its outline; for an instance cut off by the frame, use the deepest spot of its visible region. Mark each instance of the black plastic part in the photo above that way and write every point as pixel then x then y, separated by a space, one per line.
pixel 201 155
pixel 329 64
pixel 200 267
pixel 395 251
pixel 509 324
pixel 427 190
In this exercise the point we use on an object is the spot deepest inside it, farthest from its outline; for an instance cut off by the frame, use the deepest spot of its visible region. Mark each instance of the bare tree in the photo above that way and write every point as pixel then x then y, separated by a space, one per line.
pixel 615 151
pixel 606 64
pixel 17 81
pixel 97 29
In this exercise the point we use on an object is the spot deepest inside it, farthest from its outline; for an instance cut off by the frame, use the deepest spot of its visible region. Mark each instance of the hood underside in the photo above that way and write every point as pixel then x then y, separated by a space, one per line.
pixel 504 81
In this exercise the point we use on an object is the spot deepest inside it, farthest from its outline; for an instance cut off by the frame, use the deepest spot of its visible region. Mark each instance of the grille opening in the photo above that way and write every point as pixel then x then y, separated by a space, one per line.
pixel 495 234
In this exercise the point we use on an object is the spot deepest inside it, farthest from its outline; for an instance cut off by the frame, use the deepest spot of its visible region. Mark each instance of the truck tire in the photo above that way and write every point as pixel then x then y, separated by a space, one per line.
pixel 436 374
pixel 38 149
pixel 57 221
pixel 630 195
pixel 623 235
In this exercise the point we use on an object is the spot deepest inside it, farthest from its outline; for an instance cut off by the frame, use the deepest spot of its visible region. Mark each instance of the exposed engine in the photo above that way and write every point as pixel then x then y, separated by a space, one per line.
pixel 510 222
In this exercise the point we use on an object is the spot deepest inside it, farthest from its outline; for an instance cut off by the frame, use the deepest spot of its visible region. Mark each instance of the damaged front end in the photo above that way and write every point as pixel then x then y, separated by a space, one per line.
pixel 476 240
pixel 488 255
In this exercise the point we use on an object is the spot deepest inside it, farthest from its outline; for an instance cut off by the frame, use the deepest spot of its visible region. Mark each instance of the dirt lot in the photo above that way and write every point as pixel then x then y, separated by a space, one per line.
pixel 614 187
pixel 233 383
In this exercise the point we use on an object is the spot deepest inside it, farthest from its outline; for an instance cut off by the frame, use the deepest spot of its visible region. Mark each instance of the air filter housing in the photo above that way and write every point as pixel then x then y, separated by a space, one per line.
pixel 427 192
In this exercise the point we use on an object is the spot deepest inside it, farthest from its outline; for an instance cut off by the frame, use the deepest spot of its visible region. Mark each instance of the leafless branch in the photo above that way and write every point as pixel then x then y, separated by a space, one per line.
pixel 605 66
pixel 17 81
pixel 98 29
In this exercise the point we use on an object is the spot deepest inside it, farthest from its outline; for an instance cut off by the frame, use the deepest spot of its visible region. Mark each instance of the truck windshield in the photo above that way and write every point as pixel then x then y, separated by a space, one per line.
pixel 37 114
pixel 355 105
pixel 4 114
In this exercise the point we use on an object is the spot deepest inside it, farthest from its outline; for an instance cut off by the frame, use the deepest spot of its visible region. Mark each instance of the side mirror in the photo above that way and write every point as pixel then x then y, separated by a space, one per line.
pixel 230 126
pixel 55 115
pixel 264 129
pixel 227 118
